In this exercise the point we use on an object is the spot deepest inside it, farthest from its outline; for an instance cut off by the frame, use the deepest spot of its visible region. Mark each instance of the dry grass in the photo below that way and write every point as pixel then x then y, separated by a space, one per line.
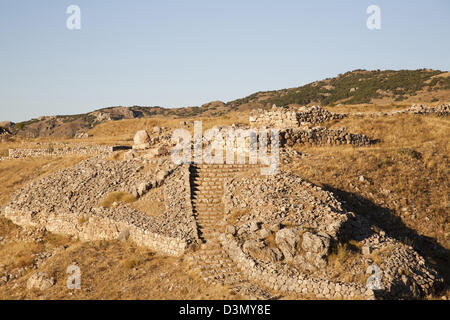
pixel 405 190
pixel 367 108
pixel 123 131
pixel 411 149
pixel 152 203
pixel 342 257
pixel 18 172
pixel 117 270
pixel 235 215
pixel 117 197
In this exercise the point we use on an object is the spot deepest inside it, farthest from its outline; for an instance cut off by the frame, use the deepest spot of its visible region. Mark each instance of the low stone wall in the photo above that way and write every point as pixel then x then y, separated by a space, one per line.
pixel 61 150
pixel 279 280
pixel 440 110
pixel 323 136
pixel 178 202
pixel 56 203
pixel 99 226
pixel 284 117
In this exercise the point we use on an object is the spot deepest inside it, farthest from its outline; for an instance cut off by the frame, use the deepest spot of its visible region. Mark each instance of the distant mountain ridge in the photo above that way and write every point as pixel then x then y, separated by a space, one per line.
pixel 355 87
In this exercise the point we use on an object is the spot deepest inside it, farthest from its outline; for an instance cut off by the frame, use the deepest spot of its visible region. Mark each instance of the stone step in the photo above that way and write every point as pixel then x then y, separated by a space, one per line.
pixel 208 195
pixel 211 219
pixel 208 227
pixel 212 216
pixel 206 200
pixel 205 196
pixel 209 234
pixel 208 213
pixel 226 166
pixel 207 187
pixel 207 205
pixel 208 178
pixel 210 185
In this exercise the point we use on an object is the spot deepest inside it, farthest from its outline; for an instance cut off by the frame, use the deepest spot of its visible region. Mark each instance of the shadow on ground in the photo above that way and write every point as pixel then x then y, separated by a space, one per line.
pixel 434 254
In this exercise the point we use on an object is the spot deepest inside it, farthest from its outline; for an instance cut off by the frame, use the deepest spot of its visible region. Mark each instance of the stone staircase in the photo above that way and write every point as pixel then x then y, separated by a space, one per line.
pixel 212 262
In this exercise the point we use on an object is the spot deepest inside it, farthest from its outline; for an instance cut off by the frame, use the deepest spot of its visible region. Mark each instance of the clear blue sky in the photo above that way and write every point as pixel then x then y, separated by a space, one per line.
pixel 184 53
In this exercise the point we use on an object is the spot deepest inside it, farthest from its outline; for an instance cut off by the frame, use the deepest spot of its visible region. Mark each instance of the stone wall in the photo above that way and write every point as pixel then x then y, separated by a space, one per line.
pixel 285 232
pixel 284 117
pixel 61 150
pixel 67 203
pixel 323 136
pixel 279 280
pixel 440 110
pixel 99 226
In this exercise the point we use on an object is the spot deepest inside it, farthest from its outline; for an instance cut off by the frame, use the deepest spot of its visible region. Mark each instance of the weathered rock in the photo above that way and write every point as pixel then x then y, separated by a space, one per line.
pixel 40 281
pixel 254 226
pixel 129 155
pixel 264 233
pixel 286 239
pixel 315 243
pixel 230 230
pixel 366 250
pixel 124 235
pixel 141 140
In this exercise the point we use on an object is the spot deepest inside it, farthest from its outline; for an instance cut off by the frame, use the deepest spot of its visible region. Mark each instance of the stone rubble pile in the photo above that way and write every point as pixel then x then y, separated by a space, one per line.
pixel 323 136
pixel 440 110
pixel 281 231
pixel 160 139
pixel 61 149
pixel 420 109
pixel 284 117
pixel 68 202
pixel 296 126
pixel 278 231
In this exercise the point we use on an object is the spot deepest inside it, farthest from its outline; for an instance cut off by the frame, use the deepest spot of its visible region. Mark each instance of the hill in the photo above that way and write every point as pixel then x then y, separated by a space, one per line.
pixel 361 86
pixel 352 88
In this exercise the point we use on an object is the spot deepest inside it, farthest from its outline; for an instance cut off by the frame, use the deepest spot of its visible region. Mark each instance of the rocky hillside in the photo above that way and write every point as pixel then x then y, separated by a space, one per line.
pixel 361 86
pixel 355 87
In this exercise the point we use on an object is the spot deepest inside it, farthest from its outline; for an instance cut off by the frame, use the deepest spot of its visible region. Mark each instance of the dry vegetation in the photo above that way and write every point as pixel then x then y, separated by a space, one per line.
pixel 404 190
pixel 18 172
pixel 152 203
pixel 118 198
pixel 404 187
pixel 113 270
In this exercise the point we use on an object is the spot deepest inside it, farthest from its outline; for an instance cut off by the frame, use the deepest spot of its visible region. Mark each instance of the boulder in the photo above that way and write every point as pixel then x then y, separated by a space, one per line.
pixel 254 226
pixel 124 235
pixel 156 152
pixel 156 130
pixel 316 243
pixel 129 155
pixel 286 240
pixel 264 233
pixel 141 140
pixel 366 250
pixel 258 250
pixel 142 189
pixel 230 230
pixel 161 175
pixel 40 281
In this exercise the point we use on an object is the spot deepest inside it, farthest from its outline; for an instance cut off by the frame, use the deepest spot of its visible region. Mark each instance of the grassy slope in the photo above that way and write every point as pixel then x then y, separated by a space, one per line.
pixel 356 87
